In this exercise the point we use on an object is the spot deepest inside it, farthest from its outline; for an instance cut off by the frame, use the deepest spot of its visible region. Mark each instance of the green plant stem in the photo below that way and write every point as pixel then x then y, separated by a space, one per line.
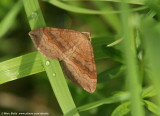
pixel 132 75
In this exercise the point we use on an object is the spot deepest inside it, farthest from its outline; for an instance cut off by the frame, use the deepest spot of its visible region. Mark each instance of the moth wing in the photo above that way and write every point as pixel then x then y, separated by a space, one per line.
pixel 80 67
pixel 53 42
pixel 73 49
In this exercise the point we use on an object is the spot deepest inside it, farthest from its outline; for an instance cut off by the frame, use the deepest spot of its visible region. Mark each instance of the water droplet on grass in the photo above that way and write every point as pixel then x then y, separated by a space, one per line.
pixel 34 15
pixel 47 63
pixel 54 74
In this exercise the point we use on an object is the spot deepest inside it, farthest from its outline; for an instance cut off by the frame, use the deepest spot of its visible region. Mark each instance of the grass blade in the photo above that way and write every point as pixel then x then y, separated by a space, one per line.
pixel 73 8
pixel 9 69
pixel 151 39
pixel 132 74
pixel 52 67
pixel 113 99
pixel 83 10
pixel 32 63
pixel 60 87
pixel 127 1
pixel 7 19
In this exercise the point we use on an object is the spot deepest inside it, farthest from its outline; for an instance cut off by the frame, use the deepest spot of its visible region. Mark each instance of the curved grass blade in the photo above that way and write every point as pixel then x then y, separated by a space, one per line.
pixel 83 10
pixel 9 18
pixel 127 1
pixel 141 2
pixel 74 8
pixel 113 99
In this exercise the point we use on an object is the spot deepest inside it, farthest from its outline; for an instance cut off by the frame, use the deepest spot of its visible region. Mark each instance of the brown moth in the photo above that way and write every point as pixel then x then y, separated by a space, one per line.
pixel 73 49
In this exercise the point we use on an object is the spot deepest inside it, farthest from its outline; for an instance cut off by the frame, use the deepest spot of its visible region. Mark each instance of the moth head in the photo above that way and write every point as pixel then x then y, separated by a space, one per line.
pixel 36 36
pixel 37 33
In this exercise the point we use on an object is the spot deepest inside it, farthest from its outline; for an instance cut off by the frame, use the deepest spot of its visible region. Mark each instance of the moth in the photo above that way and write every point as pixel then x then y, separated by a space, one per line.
pixel 74 51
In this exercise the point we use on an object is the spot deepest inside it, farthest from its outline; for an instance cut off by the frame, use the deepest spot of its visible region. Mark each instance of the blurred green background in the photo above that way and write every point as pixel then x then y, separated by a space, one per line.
pixel 34 93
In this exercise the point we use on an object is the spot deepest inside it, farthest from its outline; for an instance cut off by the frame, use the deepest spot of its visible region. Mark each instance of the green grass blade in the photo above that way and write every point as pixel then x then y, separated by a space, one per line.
pixel 34 59
pixel 132 75
pixel 151 39
pixel 82 10
pixel 60 87
pixel 34 14
pixel 113 99
pixel 9 18
pixel 52 67
pixel 9 69
pixel 127 1
pixel 73 8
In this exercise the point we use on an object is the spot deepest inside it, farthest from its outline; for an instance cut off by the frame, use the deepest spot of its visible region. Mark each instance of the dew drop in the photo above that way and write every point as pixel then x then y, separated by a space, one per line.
pixel 47 63
pixel 34 15
pixel 54 74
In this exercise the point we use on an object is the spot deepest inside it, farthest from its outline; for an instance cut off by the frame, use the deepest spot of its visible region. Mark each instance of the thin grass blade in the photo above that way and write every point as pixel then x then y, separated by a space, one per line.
pixel 9 18
pixel 52 67
pixel 132 72
pixel 116 98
